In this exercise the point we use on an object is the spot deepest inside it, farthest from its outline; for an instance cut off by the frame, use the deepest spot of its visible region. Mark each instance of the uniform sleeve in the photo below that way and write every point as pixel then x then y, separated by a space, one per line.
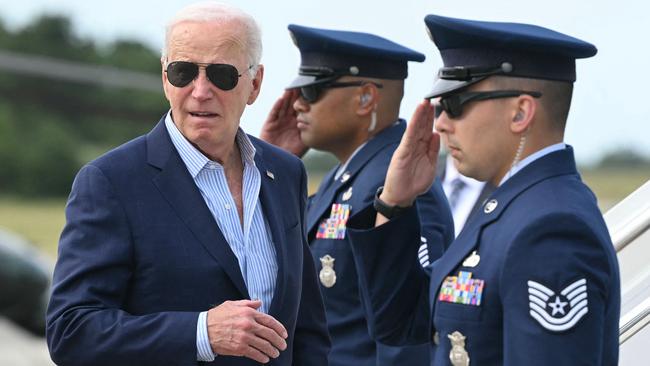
pixel 85 323
pixel 393 285
pixel 311 344
pixel 436 225
pixel 555 286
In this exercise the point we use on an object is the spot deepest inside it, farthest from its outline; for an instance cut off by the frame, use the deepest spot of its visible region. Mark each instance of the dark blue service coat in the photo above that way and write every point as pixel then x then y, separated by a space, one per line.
pixel 351 342
pixel 141 255
pixel 549 275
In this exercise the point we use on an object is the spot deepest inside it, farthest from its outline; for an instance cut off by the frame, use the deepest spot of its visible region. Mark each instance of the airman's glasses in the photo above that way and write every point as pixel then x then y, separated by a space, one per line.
pixel 453 104
pixel 223 76
pixel 311 93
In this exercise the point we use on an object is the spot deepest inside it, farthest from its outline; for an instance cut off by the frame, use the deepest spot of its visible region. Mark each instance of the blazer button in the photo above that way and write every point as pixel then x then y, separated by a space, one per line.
pixel 436 338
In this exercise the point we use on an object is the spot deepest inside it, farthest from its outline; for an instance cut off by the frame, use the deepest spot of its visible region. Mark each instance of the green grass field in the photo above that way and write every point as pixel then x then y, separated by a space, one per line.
pixel 41 221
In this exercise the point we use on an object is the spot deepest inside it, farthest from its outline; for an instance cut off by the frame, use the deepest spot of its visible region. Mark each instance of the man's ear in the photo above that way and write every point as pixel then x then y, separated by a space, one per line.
pixel 368 98
pixel 165 84
pixel 523 114
pixel 257 84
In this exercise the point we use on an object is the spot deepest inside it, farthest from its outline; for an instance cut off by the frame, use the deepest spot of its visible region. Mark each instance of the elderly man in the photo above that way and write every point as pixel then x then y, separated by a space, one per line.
pixel 346 101
pixel 187 244
pixel 532 279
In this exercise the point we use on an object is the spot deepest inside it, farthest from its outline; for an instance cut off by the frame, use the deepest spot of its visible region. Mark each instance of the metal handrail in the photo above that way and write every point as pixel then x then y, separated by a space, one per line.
pixel 635 320
pixel 632 230
pixel 634 221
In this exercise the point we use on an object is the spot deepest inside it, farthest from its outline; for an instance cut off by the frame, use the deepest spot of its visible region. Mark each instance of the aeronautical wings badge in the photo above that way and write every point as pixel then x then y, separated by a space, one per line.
pixel 558 312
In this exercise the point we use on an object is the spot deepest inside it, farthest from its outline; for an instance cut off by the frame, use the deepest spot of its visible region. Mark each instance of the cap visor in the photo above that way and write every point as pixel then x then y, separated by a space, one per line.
pixel 306 80
pixel 442 87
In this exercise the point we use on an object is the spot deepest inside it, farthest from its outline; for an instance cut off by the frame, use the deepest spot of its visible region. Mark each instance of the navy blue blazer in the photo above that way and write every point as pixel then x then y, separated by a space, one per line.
pixel 351 342
pixel 550 278
pixel 141 255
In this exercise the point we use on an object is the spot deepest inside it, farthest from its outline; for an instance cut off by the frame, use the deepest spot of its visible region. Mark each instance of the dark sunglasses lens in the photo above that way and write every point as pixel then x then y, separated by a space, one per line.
pixel 437 110
pixel 452 106
pixel 224 76
pixel 181 73
pixel 310 93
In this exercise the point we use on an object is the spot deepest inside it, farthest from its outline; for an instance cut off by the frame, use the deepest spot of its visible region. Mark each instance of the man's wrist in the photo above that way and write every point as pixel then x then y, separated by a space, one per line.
pixel 388 207
pixel 204 350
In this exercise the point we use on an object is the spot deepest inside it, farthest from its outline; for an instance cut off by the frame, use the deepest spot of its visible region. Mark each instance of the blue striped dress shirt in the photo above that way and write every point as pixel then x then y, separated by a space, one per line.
pixel 251 242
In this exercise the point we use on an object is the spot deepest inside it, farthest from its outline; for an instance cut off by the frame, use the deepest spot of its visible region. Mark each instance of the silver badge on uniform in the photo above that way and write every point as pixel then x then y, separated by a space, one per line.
pixel 458 354
pixel 327 275
pixel 347 194
pixel 490 206
pixel 472 260
pixel 566 308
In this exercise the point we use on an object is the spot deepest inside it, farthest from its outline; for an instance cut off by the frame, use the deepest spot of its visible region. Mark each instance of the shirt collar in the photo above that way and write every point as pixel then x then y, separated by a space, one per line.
pixel 532 157
pixel 194 159
pixel 343 167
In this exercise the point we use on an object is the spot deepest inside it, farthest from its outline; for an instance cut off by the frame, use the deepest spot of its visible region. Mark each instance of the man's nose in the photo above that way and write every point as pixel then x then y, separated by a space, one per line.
pixel 300 105
pixel 203 87
pixel 442 124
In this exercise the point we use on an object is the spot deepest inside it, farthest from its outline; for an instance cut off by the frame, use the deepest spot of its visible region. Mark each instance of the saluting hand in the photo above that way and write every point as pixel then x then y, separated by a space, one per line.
pixel 281 126
pixel 412 168
pixel 236 328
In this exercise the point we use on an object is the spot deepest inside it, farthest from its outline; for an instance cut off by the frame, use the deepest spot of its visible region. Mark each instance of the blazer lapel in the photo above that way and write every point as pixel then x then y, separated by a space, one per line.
pixel 271 198
pixel 179 189
pixel 322 200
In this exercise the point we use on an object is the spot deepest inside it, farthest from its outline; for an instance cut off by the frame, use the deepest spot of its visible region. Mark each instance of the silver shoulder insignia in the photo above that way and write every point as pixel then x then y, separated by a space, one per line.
pixel 558 312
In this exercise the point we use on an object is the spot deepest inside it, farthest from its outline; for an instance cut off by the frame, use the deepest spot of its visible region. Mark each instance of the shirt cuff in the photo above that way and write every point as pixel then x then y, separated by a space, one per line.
pixel 203 349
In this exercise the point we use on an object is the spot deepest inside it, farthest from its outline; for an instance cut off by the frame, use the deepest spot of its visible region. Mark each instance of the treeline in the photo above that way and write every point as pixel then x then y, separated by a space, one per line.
pixel 49 128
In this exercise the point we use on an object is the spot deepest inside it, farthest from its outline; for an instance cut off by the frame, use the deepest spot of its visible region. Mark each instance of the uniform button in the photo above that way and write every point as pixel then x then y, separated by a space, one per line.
pixel 436 338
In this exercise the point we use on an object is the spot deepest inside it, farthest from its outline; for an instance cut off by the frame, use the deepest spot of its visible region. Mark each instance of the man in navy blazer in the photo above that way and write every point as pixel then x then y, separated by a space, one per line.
pixel 532 279
pixel 187 245
pixel 346 101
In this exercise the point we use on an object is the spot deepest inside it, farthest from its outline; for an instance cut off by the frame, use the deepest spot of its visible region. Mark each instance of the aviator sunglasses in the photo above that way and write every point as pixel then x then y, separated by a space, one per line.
pixel 223 76
pixel 311 93
pixel 453 104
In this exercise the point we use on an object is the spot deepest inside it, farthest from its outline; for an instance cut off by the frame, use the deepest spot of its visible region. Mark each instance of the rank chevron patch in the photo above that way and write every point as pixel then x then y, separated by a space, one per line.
pixel 564 309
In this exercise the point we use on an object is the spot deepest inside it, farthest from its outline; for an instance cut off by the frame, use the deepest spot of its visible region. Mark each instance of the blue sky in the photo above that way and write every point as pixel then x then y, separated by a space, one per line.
pixel 611 108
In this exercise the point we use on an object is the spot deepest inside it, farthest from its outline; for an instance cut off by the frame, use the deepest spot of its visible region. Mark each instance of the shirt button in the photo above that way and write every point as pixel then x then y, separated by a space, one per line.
pixel 227 206
pixel 436 338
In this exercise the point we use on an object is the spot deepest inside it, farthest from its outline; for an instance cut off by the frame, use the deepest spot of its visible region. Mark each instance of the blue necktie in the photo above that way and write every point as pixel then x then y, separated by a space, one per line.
pixel 457 186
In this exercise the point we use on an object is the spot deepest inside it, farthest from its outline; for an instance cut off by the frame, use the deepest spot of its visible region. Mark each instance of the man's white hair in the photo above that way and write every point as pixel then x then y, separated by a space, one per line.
pixel 211 11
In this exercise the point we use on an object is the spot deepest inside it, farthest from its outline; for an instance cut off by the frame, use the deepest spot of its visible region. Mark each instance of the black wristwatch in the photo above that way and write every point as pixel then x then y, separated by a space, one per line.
pixel 385 209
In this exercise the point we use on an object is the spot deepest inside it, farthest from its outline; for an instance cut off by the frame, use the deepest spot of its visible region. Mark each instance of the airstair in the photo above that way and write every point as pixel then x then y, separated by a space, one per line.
pixel 629 226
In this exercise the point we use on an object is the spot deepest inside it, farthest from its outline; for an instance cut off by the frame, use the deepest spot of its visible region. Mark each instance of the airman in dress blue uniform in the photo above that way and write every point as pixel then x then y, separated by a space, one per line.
pixel 533 278
pixel 346 101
